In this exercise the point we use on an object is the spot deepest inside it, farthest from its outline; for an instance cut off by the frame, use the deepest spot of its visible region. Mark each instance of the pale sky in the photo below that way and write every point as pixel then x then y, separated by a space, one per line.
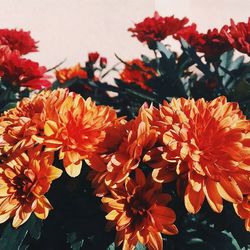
pixel 71 29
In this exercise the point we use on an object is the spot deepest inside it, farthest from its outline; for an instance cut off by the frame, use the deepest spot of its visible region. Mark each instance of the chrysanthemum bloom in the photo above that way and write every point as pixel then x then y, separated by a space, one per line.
pixel 239 36
pixel 206 144
pixel 5 52
pixel 18 40
pixel 139 213
pixel 24 182
pixel 77 130
pixel 243 210
pixel 23 72
pixel 23 126
pixel 99 161
pixel 157 28
pixel 137 72
pixel 137 138
pixel 213 43
pixel 18 125
pixel 66 74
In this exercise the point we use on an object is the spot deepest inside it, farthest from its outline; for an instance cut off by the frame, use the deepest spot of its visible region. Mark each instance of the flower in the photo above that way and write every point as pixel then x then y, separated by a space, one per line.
pixel 24 181
pixel 23 72
pixel 18 125
pixel 239 36
pixel 103 62
pixel 22 127
pixel 157 28
pixel 243 210
pixel 189 34
pixel 77 129
pixel 213 43
pixel 18 40
pixel 139 213
pixel 135 138
pixel 93 57
pixel 66 74
pixel 206 145
pixel 137 72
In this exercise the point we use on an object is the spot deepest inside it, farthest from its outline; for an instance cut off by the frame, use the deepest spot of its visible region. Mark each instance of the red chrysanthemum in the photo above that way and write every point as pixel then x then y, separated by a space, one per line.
pixel 213 43
pixel 18 40
pixel 66 74
pixel 157 28
pixel 23 72
pixel 137 72
pixel 205 144
pixel 239 36
pixel 139 213
pixel 24 180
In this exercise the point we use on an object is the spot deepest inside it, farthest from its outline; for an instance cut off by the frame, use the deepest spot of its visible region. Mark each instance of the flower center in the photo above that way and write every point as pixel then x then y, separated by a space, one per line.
pixel 23 187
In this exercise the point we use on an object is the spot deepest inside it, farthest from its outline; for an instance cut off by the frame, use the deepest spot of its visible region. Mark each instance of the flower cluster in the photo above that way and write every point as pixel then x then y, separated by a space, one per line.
pixel 213 43
pixel 203 146
pixel 181 154
pixel 15 70
pixel 29 136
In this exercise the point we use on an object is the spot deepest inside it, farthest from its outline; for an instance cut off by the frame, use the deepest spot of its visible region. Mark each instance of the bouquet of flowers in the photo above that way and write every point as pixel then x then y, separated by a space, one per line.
pixel 160 159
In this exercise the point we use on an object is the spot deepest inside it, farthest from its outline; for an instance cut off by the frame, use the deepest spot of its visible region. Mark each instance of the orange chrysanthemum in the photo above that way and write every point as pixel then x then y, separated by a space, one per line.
pixel 136 137
pixel 139 73
pixel 139 213
pixel 207 145
pixel 24 181
pixel 78 129
pixel 66 74
pixel 17 125
pixel 21 127
pixel 243 210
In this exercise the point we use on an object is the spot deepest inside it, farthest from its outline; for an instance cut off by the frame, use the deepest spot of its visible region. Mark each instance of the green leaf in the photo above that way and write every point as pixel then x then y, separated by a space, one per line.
pixel 226 58
pixel 204 68
pixel 164 51
pixel 111 246
pixel 8 106
pixel 74 241
pixel 139 246
pixel 12 238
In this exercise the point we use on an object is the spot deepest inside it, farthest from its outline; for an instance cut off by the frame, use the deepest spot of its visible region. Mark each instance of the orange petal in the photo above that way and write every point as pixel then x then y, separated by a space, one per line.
pixel 50 128
pixel 73 169
pixel 170 230
pixel 196 181
pixel 213 197
pixel 193 200
pixel 229 190
pixel 140 177
pixel 163 215
pixel 112 215
pixel 155 241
